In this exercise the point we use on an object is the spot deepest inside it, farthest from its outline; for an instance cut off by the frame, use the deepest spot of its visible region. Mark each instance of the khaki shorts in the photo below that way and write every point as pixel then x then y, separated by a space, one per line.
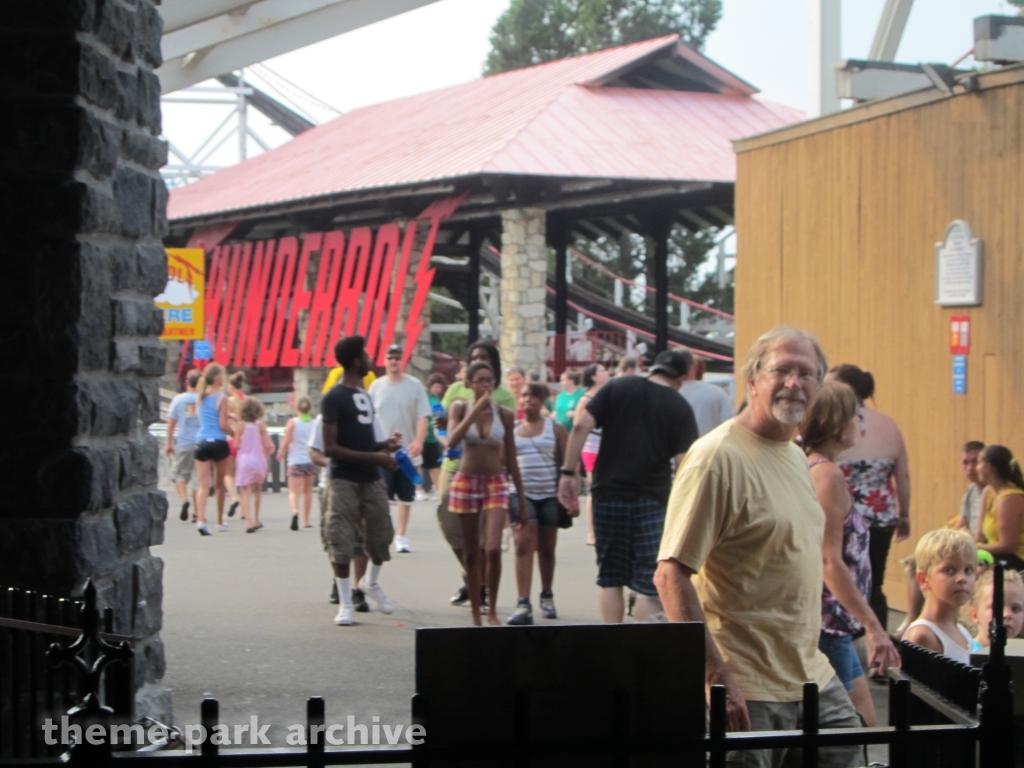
pixel 359 548
pixel 183 463
pixel 351 504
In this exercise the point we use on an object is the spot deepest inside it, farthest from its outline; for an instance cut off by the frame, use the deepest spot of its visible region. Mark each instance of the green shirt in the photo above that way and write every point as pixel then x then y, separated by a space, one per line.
pixel 431 437
pixel 565 403
pixel 459 391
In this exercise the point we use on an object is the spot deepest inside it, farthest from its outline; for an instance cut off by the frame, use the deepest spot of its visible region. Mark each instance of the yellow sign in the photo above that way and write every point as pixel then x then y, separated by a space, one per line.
pixel 182 299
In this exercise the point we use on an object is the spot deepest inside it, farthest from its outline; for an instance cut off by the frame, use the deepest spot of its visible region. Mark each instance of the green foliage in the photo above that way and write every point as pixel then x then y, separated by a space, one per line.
pixel 535 31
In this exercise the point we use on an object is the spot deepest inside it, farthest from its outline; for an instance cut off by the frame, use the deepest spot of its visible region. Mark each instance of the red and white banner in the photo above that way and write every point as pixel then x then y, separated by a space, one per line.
pixel 257 290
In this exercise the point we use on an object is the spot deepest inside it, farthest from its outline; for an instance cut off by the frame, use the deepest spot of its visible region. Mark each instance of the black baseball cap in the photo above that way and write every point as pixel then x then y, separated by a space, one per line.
pixel 394 349
pixel 674 363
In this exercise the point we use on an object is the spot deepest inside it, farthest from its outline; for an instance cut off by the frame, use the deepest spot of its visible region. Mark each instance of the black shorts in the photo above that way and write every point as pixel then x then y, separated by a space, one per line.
pixel 432 453
pixel 212 450
pixel 399 486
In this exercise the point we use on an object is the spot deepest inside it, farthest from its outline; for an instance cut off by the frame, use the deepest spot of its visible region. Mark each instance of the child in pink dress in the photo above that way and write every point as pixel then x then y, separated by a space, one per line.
pixel 254 446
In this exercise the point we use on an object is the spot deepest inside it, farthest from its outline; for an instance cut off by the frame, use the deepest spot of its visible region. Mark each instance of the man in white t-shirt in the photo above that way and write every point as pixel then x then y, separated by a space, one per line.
pixel 402 406
pixel 970 505
pixel 182 440
pixel 711 405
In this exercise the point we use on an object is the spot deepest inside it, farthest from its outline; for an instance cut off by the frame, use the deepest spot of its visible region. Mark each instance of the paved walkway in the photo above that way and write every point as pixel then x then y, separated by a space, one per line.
pixel 246 619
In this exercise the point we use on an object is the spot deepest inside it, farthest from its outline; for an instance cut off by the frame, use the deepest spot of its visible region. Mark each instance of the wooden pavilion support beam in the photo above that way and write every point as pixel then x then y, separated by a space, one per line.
pixel 476 241
pixel 559 233
pixel 660 230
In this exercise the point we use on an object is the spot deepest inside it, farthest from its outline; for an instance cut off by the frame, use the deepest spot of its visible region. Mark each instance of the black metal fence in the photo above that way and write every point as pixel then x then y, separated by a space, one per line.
pixel 30 687
pixel 968 714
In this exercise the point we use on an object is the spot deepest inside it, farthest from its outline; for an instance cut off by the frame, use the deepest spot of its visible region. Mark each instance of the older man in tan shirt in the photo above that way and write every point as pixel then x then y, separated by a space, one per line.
pixel 741 552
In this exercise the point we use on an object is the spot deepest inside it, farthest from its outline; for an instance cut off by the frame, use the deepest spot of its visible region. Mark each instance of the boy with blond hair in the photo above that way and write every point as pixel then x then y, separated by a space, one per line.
pixel 947 565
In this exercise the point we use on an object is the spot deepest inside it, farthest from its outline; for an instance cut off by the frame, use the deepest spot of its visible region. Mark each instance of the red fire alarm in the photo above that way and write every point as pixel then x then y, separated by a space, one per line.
pixel 959 335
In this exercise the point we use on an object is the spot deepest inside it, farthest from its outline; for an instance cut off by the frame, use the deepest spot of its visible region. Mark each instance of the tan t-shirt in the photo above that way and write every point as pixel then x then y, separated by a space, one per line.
pixel 744 516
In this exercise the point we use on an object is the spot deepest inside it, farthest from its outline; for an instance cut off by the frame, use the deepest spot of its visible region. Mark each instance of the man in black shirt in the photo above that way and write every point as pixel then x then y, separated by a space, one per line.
pixel 645 425
pixel 355 443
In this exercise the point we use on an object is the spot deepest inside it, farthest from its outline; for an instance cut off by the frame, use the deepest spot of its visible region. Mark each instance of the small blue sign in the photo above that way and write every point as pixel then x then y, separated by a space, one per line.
pixel 959 374
pixel 201 350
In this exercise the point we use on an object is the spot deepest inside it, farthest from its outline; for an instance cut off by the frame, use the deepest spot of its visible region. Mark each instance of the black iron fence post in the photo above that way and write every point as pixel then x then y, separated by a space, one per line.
pixel 811 713
pixel 420 716
pixel 92 746
pixel 718 723
pixel 315 731
pixel 899 718
pixel 997 727
pixel 209 714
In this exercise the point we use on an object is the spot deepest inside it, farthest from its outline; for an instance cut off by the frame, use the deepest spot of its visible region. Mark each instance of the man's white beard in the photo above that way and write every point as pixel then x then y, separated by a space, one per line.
pixel 788 412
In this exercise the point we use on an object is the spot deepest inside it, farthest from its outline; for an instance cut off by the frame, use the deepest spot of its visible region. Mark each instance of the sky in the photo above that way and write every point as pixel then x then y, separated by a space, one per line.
pixel 446 42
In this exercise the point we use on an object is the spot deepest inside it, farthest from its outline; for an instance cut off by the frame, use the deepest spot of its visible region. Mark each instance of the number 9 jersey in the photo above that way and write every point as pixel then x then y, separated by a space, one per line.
pixel 358 430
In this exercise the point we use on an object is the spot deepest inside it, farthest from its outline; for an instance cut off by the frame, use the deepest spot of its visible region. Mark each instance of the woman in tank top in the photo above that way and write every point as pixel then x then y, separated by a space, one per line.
pixel 1002 527
pixel 878 473
pixel 540 445
pixel 235 395
pixel 301 472
pixel 212 449
pixel 829 427
pixel 479 490
pixel 595 376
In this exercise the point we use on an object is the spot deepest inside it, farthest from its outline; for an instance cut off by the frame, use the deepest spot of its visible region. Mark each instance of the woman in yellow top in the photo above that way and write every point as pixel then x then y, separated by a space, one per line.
pixel 1002 528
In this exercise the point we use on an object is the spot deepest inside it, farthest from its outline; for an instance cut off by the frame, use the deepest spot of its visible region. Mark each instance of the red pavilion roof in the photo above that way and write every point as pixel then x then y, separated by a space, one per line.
pixel 594 116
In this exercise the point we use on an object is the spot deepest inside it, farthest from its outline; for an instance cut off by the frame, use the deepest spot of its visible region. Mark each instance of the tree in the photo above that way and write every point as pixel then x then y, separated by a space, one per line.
pixel 535 31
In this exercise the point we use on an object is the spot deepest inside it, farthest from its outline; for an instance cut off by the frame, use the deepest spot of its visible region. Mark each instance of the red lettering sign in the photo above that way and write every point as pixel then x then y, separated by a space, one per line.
pixel 257 293
pixel 318 329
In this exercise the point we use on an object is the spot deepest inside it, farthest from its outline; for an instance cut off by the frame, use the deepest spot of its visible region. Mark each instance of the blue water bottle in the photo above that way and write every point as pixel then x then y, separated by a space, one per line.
pixel 408 468
pixel 437 411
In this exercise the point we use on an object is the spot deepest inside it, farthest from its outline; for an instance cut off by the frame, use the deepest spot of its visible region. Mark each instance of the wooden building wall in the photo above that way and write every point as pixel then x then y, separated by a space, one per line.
pixel 837 221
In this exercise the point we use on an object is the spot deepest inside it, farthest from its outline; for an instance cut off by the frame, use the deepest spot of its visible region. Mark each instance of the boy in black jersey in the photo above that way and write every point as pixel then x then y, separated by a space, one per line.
pixel 354 442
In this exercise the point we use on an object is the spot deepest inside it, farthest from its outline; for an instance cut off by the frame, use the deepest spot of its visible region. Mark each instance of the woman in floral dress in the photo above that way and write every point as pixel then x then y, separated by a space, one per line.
pixel 878 473
pixel 831 425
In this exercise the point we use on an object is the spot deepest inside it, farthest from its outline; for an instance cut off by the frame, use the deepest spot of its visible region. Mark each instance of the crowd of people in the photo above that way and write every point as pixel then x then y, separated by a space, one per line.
pixel 771 526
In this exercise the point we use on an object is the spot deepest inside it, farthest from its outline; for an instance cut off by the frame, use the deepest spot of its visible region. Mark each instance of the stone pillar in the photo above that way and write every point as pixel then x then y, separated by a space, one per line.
pixel 84 211
pixel 524 269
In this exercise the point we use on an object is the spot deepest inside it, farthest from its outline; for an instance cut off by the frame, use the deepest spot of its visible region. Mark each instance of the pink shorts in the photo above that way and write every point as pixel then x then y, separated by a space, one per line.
pixel 589 460
pixel 471 494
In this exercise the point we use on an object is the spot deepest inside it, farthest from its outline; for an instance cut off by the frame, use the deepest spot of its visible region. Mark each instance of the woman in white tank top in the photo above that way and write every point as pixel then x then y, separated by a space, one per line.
pixel 301 472
pixel 540 445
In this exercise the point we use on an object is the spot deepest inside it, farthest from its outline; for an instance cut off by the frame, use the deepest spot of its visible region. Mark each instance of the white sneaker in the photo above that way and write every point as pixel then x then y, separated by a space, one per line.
pixel 420 495
pixel 344 617
pixel 222 527
pixel 376 594
pixel 402 544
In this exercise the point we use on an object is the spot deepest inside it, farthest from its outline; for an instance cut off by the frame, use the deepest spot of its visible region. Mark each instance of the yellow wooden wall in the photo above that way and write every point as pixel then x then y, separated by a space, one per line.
pixel 836 234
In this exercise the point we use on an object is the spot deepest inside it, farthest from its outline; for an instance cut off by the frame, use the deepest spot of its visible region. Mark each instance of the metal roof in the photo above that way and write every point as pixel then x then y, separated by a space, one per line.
pixel 569 118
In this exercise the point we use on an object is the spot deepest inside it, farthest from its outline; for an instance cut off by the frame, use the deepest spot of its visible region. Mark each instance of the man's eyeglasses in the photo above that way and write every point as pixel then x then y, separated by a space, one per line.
pixel 782 373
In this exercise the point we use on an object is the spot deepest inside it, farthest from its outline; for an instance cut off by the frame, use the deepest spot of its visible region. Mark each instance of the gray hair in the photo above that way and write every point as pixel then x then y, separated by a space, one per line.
pixel 755 357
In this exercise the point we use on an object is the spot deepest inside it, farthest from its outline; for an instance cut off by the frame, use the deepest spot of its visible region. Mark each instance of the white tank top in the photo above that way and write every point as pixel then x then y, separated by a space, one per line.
pixel 298 453
pixel 949 647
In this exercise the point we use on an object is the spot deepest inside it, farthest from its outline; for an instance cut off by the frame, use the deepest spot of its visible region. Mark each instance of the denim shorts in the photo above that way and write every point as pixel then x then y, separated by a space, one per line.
pixel 842 656
pixel 544 512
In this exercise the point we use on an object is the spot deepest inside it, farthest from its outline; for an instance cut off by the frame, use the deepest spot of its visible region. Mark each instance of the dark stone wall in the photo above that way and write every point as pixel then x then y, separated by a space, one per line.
pixel 82 207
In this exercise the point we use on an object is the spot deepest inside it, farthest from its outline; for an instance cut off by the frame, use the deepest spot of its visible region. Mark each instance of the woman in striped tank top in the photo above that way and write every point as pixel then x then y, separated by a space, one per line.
pixel 540 444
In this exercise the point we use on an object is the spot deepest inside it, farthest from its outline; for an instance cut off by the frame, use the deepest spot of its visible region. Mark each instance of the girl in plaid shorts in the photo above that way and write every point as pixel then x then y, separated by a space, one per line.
pixel 479 490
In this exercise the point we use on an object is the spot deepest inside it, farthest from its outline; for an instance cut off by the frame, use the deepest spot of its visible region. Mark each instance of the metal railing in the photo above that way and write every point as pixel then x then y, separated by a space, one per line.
pixel 976 709
pixel 30 687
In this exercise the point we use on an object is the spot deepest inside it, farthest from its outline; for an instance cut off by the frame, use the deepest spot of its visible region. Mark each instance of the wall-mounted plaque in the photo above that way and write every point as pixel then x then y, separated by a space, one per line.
pixel 958 267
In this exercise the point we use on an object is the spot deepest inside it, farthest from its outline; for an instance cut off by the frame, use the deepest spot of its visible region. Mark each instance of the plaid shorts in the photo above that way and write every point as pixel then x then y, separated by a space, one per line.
pixel 470 494
pixel 628 534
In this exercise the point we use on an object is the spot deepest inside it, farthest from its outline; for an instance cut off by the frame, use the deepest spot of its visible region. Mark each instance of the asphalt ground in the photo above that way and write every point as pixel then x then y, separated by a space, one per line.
pixel 247 619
